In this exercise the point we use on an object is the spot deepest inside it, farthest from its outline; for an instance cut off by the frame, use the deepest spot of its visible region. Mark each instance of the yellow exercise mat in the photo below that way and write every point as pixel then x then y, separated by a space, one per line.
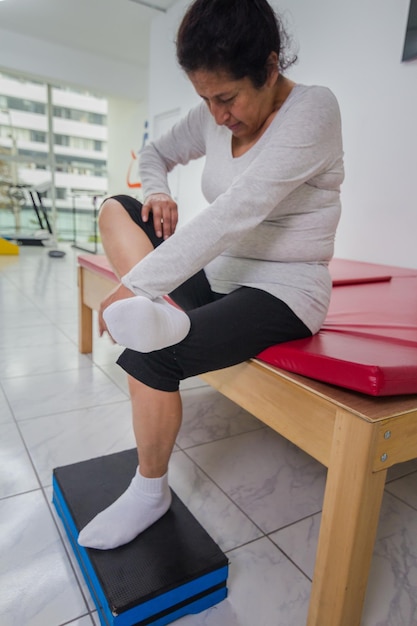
pixel 7 247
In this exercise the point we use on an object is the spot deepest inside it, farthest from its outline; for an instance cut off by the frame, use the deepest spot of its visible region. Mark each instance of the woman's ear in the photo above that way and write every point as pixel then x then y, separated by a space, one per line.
pixel 272 69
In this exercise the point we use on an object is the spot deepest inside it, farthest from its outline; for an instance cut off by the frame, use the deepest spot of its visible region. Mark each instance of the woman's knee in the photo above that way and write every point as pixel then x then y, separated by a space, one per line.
pixel 140 392
pixel 110 210
pixel 158 370
pixel 136 388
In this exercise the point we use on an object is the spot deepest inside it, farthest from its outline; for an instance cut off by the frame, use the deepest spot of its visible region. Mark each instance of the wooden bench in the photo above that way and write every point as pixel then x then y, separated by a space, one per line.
pixel 357 437
pixel 95 280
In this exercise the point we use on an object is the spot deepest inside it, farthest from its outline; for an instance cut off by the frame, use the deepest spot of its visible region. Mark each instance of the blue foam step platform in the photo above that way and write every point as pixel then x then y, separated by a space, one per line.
pixel 172 569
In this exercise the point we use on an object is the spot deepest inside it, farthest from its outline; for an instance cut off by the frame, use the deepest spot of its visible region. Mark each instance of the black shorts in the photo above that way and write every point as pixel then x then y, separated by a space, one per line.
pixel 226 329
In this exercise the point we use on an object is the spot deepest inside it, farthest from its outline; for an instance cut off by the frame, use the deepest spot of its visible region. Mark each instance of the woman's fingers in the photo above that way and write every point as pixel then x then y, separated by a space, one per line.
pixel 118 293
pixel 164 212
pixel 102 326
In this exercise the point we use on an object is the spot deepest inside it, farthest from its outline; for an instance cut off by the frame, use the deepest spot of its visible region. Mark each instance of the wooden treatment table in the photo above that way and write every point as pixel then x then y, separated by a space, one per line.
pixel 356 436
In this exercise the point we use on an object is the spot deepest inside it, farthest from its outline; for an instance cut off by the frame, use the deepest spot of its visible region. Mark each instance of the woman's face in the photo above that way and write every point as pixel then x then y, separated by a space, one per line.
pixel 236 104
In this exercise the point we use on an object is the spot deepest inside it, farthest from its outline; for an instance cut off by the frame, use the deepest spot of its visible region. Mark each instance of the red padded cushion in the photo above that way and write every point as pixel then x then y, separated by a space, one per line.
pixel 382 310
pixel 368 342
pixel 370 366
pixel 344 272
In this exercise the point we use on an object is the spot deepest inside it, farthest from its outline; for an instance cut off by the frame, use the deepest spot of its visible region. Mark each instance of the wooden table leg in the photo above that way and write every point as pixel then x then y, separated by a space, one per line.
pixel 85 318
pixel 351 511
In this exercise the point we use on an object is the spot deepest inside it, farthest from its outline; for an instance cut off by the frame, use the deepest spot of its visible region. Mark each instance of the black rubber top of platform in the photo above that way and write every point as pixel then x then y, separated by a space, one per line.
pixel 172 552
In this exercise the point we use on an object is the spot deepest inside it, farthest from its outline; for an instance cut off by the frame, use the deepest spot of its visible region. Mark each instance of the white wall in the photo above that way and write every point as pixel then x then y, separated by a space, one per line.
pixel 54 63
pixel 125 124
pixel 355 48
pixel 169 91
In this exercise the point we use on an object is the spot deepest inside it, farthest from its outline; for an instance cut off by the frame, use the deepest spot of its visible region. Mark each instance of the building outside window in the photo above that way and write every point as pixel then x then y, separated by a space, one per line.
pixel 80 154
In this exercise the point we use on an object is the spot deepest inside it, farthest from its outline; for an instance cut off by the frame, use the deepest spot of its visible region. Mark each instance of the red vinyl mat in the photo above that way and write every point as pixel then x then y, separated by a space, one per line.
pixel 368 342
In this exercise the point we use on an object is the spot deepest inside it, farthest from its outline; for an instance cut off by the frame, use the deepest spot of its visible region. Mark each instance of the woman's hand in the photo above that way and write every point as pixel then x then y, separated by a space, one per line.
pixel 118 293
pixel 164 213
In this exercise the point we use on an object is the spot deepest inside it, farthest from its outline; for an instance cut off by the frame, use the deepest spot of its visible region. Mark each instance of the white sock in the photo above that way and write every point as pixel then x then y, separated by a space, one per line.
pixel 144 502
pixel 145 325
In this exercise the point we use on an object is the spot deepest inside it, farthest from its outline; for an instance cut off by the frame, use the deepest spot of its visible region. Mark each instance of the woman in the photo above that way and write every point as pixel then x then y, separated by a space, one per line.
pixel 248 271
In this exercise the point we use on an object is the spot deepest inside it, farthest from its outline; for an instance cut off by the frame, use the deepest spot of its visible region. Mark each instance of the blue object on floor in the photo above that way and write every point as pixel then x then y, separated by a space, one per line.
pixel 172 569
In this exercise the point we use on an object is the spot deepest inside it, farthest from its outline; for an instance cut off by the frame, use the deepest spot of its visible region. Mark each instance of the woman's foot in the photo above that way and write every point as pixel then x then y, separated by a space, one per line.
pixel 146 325
pixel 144 502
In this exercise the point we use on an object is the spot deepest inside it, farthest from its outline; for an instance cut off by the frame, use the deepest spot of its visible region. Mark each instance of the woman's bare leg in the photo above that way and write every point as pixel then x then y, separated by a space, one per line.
pixel 156 414
pixel 139 324
pixel 124 242
pixel 156 422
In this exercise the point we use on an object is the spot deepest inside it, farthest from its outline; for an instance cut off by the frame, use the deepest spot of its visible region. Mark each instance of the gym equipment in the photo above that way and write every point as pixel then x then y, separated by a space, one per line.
pixel 7 247
pixel 172 569
pixel 44 234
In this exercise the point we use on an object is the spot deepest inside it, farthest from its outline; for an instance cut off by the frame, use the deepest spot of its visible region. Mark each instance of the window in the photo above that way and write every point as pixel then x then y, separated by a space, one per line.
pixel 79 157
pixel 79 116
pixel 37 136
pixel 61 140
pixel 30 106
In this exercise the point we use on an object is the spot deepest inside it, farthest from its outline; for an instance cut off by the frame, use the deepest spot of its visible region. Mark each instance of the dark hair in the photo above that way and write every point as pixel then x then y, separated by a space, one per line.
pixel 236 36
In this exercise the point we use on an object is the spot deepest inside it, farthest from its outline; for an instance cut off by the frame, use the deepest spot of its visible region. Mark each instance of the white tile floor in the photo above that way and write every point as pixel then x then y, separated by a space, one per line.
pixel 257 495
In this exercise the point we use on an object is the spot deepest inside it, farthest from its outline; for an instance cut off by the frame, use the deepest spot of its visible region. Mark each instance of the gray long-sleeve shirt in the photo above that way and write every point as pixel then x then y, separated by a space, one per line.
pixel 272 213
